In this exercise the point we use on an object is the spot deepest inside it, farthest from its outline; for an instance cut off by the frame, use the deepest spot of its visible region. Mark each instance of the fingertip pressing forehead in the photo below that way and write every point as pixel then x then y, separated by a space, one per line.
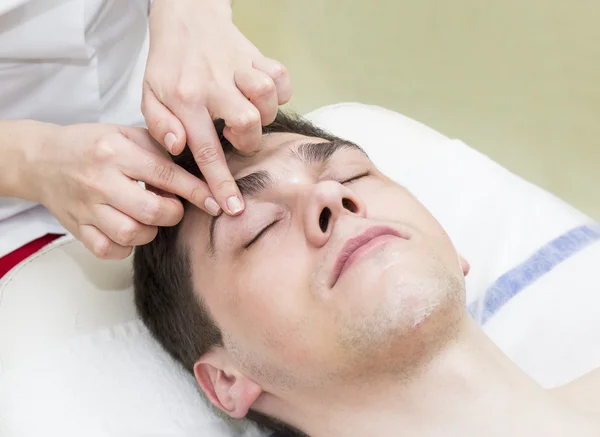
pixel 196 222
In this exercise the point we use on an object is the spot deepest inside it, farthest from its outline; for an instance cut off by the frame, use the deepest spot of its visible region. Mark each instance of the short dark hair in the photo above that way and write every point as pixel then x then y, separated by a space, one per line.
pixel 162 278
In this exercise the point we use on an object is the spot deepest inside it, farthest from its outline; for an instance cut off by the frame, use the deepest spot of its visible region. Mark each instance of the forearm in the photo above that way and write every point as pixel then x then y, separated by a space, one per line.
pixel 20 141
pixel 197 10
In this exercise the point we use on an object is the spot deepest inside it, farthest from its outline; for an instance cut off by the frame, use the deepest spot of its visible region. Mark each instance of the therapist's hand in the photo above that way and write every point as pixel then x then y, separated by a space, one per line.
pixel 86 176
pixel 200 68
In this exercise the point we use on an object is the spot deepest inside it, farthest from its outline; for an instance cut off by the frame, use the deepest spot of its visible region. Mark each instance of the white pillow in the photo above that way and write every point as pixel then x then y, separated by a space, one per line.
pixel 118 382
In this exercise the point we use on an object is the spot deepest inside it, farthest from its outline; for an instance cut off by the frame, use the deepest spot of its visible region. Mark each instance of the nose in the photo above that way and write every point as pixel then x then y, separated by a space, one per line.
pixel 326 204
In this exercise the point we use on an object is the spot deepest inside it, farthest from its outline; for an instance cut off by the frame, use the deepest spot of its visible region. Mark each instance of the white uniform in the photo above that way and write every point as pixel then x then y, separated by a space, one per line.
pixel 65 62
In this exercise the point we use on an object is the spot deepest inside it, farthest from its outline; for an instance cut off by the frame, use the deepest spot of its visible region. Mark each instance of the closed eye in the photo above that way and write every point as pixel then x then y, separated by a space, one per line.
pixel 357 177
pixel 260 234
pixel 266 228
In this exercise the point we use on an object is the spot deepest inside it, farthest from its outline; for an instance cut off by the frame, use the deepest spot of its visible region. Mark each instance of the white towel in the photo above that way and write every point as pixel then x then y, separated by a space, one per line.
pixel 115 382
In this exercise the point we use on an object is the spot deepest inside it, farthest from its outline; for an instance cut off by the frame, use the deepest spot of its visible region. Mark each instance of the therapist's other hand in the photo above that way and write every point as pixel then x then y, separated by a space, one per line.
pixel 200 67
pixel 87 174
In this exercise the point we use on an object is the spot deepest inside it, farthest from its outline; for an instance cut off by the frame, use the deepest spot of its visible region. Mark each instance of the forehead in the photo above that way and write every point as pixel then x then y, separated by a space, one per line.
pixel 272 145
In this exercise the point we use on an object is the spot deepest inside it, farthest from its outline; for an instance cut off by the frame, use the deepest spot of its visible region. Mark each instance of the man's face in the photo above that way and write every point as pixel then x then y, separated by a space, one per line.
pixel 330 267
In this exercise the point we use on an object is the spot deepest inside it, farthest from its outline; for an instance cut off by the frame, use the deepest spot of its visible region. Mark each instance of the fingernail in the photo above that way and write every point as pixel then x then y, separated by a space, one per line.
pixel 234 205
pixel 212 206
pixel 170 140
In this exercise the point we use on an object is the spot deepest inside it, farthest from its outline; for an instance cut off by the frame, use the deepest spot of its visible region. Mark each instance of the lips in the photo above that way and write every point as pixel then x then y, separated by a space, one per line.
pixel 345 257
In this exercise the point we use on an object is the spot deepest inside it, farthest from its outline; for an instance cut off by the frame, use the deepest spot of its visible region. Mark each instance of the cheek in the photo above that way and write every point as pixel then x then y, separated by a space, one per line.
pixel 389 201
pixel 271 307
pixel 394 203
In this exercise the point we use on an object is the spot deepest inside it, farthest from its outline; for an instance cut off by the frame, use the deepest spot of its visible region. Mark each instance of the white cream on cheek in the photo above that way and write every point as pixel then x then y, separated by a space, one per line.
pixel 392 259
pixel 409 300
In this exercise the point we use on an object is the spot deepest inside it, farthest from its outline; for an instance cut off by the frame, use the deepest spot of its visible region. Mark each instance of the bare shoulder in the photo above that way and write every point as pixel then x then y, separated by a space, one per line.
pixel 584 392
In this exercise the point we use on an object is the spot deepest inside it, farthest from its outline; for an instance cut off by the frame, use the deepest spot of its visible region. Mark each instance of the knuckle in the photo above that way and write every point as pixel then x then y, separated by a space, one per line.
pixel 246 121
pixel 197 194
pixel 104 150
pixel 155 124
pixel 101 247
pixel 226 185
pixel 163 173
pixel 127 234
pixel 150 212
pixel 186 92
pixel 263 88
pixel 205 155
pixel 279 72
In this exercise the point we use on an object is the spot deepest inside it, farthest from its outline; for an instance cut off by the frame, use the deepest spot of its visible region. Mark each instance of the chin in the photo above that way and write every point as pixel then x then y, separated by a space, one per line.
pixel 404 296
pixel 407 324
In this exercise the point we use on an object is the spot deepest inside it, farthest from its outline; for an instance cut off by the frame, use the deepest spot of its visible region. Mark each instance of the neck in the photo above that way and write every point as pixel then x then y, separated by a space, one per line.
pixel 469 389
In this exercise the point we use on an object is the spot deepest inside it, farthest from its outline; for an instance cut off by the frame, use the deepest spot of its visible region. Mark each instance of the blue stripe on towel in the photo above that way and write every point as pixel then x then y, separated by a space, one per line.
pixel 543 261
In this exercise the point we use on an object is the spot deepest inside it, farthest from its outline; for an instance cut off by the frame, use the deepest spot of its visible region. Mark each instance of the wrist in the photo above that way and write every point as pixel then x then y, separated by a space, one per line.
pixel 202 9
pixel 27 141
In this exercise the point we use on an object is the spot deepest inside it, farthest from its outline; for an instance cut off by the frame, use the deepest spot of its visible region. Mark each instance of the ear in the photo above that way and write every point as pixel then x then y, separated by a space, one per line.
pixel 464 265
pixel 224 385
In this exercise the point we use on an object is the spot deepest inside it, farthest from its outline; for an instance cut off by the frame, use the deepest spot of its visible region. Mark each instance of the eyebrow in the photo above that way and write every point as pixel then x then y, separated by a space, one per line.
pixel 259 181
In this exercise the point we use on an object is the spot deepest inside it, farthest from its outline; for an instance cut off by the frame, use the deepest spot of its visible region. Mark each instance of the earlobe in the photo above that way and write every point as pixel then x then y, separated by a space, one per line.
pixel 226 387
pixel 464 265
pixel 244 393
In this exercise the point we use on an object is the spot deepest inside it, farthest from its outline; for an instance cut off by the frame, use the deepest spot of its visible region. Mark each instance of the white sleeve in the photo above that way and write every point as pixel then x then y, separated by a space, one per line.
pixel 9 5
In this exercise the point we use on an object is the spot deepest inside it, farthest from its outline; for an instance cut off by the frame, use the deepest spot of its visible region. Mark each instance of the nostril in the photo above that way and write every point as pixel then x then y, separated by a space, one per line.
pixel 349 205
pixel 324 219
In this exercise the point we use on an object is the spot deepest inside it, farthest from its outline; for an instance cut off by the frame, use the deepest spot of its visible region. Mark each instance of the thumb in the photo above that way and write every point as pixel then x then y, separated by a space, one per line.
pixel 141 137
pixel 162 124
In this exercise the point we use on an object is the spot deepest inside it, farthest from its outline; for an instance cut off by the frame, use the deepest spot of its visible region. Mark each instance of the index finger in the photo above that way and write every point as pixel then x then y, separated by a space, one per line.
pixel 208 154
pixel 164 174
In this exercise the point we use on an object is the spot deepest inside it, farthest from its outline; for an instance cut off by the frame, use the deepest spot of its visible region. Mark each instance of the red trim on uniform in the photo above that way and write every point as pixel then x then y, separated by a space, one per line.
pixel 10 260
